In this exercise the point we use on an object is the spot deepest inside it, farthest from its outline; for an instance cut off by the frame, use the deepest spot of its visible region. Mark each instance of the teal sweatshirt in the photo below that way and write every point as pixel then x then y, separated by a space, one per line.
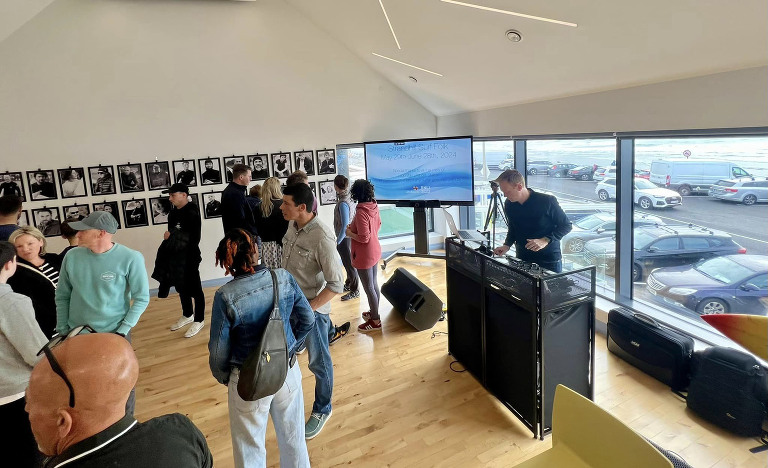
pixel 97 290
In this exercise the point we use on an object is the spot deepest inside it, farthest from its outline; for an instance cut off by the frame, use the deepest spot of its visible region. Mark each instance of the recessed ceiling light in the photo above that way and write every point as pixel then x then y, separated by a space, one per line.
pixel 390 24
pixel 513 35
pixel 407 64
pixel 513 13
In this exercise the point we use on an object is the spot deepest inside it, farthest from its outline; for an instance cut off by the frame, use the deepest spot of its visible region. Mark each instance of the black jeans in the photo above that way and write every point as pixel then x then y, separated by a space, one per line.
pixel 346 259
pixel 192 288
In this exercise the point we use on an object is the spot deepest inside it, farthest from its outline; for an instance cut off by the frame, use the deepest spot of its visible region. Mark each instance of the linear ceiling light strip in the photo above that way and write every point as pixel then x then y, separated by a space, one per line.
pixel 406 64
pixel 506 12
pixel 381 2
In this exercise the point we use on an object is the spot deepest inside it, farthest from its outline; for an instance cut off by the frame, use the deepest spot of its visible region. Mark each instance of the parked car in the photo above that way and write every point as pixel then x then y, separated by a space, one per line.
pixel 539 167
pixel 581 173
pixel 748 191
pixel 605 173
pixel 578 210
pixel 646 194
pixel 693 175
pixel 560 170
pixel 599 225
pixel 643 173
pixel 508 163
pixel 720 285
pixel 663 246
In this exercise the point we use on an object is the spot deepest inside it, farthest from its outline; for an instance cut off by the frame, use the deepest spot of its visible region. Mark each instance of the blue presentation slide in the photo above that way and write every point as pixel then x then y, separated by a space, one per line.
pixel 421 170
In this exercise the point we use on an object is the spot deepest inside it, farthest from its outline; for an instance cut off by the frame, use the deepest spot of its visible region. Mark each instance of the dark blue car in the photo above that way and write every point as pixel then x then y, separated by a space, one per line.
pixel 729 284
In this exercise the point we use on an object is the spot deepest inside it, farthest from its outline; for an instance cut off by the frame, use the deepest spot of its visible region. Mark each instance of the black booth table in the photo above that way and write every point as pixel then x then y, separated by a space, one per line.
pixel 521 330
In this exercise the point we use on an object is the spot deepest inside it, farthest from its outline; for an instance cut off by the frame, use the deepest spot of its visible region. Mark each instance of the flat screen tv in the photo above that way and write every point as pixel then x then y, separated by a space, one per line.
pixel 409 172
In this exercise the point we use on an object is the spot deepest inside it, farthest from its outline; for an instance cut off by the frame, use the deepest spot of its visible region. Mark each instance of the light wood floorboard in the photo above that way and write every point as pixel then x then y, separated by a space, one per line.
pixel 397 403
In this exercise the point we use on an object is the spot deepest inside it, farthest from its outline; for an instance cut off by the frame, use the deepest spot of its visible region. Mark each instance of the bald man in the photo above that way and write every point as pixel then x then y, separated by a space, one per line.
pixel 96 431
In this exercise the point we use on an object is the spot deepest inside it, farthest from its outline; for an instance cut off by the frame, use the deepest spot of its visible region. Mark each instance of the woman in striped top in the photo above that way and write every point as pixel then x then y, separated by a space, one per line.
pixel 37 275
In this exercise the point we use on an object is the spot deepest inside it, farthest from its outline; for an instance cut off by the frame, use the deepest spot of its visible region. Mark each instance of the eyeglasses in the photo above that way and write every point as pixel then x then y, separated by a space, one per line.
pixel 56 340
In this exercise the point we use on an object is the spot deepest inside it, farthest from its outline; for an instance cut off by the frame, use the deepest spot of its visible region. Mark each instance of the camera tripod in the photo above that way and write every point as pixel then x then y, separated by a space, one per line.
pixel 495 211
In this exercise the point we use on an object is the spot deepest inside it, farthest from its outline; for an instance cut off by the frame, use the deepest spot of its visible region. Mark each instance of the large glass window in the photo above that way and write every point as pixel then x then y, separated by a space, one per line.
pixel 491 157
pixel 707 191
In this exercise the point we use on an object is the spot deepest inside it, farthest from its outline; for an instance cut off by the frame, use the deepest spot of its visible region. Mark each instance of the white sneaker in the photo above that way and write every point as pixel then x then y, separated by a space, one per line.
pixel 181 322
pixel 194 329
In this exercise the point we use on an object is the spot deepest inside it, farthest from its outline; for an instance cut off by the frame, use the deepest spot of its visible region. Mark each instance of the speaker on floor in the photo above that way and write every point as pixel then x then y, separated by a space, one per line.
pixel 419 305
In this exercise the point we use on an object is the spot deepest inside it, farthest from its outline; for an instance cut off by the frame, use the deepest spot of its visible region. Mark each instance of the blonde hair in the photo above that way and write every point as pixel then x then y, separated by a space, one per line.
pixel 29 231
pixel 511 176
pixel 270 191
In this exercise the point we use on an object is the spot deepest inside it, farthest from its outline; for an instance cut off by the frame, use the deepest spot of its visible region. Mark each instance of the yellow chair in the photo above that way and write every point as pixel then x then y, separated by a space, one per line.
pixel 585 435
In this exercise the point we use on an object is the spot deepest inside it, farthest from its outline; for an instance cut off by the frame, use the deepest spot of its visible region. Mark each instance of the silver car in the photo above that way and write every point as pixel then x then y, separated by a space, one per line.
pixel 745 190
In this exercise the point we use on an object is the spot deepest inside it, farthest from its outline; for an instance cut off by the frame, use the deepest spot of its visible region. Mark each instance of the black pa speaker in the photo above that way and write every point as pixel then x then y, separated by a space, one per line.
pixel 419 305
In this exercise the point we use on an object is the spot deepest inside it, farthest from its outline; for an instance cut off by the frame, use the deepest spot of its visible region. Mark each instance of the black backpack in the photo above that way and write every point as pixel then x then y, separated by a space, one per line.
pixel 264 371
pixel 729 388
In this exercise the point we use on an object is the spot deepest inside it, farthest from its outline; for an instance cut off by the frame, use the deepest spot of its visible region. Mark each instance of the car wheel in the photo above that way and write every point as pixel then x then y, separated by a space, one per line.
pixel 585 177
pixel 574 245
pixel 558 175
pixel 637 272
pixel 684 190
pixel 749 200
pixel 532 172
pixel 645 203
pixel 603 195
pixel 712 306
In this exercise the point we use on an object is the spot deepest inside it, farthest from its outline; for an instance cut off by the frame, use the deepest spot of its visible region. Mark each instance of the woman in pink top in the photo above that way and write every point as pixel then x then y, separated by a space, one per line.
pixel 363 231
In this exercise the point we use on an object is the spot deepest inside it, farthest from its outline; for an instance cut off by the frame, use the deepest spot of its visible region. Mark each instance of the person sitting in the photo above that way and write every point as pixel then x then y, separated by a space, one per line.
pixel 37 275
pixel 76 403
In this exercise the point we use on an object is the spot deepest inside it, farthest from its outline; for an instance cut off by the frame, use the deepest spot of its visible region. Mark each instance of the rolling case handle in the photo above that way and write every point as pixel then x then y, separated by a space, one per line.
pixel 647 319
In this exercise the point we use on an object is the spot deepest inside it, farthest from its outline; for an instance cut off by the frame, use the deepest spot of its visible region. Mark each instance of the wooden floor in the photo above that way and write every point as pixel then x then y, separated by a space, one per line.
pixel 397 403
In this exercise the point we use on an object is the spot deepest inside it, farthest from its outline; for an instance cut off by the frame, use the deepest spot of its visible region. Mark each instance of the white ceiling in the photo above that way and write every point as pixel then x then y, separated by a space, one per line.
pixel 617 44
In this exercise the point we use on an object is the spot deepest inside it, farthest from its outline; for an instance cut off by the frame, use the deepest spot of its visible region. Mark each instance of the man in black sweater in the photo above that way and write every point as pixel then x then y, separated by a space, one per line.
pixel 536 223
pixel 235 211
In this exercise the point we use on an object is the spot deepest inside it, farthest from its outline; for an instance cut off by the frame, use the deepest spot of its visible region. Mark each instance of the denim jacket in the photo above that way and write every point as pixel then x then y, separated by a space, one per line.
pixel 241 309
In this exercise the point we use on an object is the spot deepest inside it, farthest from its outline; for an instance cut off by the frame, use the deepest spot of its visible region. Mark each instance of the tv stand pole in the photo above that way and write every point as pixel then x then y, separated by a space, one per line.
pixel 420 234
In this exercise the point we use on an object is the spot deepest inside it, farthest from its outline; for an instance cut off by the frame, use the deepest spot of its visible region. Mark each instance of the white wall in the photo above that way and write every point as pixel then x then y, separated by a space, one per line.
pixel 107 81
pixel 732 99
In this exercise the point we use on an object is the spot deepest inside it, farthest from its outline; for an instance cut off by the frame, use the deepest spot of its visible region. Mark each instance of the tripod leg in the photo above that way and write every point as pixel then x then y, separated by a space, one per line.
pixel 490 213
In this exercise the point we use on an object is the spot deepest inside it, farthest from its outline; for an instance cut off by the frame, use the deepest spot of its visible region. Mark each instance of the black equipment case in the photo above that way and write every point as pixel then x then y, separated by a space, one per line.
pixel 662 353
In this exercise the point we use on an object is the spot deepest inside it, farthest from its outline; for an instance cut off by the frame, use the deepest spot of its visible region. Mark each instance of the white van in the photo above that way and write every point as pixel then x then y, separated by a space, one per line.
pixel 690 175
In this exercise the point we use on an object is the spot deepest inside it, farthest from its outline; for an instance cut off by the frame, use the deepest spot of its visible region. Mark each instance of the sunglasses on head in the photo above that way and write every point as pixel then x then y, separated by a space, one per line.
pixel 56 340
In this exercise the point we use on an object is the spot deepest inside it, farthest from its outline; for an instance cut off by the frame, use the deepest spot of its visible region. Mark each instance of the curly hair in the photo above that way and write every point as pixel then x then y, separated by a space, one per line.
pixel 236 253
pixel 362 191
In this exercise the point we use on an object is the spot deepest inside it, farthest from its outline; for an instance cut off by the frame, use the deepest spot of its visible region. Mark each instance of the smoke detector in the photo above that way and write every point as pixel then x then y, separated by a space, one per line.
pixel 513 35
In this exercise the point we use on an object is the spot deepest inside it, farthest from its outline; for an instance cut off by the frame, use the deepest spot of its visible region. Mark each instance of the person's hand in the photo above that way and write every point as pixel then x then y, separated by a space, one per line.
pixel 166 235
pixel 349 232
pixel 501 250
pixel 537 244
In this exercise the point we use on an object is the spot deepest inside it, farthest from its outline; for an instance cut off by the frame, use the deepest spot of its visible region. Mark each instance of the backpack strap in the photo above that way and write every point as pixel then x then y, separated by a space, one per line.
pixel 276 297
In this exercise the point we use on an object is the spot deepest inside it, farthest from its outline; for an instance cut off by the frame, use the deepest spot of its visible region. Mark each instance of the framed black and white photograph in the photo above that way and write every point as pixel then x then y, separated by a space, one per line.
pixel 313 186
pixel 47 220
pixel 259 164
pixel 326 161
pixel 131 179
pixel 304 161
pixel 11 184
pixel 229 163
pixel 23 218
pixel 327 192
pixel 184 172
pixel 281 164
pixel 111 208
pixel 160 207
pixel 72 182
pixel 76 212
pixel 195 198
pixel 102 180
pixel 158 175
pixel 210 171
pixel 135 213
pixel 41 185
pixel 212 208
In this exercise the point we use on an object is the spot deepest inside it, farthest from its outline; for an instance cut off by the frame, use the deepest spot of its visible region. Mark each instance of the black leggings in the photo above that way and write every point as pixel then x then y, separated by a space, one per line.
pixel 371 288
pixel 346 259
pixel 190 289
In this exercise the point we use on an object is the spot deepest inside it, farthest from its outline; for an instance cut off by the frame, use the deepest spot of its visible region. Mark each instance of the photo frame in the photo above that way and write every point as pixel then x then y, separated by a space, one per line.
pixel 212 208
pixel 184 172
pixel 12 183
pixel 72 182
pixel 23 218
pixel 102 180
pixel 48 220
pixel 230 161
pixel 42 185
pixel 196 200
pixel 76 212
pixel 110 207
pixel 281 164
pixel 210 171
pixel 135 213
pixel 160 208
pixel 158 176
pixel 259 164
pixel 304 161
pixel 326 161
pixel 131 178
pixel 327 192
pixel 313 186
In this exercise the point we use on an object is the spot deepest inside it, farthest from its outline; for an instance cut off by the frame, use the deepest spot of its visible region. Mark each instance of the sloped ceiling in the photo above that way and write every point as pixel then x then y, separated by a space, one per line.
pixel 14 13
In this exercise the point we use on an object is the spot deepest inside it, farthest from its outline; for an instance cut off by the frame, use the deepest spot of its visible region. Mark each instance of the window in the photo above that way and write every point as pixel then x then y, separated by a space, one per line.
pixel 491 157
pixel 695 243
pixel 667 245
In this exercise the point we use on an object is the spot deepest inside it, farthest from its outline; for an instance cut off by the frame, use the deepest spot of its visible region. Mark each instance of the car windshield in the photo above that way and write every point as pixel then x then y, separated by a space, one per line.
pixel 644 184
pixel 723 269
pixel 589 222
pixel 642 239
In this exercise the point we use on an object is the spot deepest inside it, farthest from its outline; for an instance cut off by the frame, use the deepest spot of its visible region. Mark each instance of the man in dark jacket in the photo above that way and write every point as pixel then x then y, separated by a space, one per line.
pixel 235 210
